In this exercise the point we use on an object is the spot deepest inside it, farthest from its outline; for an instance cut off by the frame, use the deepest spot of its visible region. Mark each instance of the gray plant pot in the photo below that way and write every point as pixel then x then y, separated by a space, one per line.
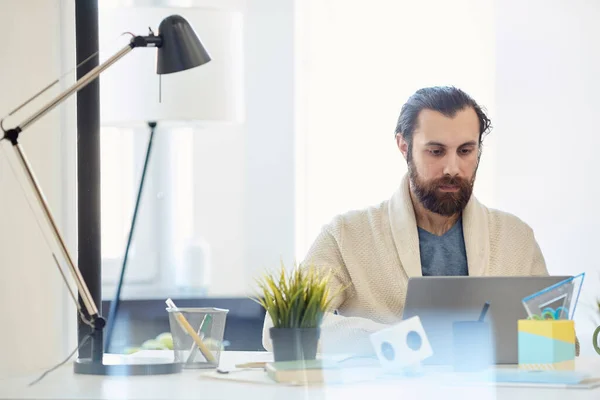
pixel 290 344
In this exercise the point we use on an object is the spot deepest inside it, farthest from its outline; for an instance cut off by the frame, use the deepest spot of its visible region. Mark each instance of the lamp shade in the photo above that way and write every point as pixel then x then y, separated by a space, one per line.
pixel 181 48
pixel 140 86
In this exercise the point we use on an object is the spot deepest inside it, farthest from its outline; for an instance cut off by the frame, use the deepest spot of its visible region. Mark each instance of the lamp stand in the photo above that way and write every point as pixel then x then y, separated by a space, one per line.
pixel 114 304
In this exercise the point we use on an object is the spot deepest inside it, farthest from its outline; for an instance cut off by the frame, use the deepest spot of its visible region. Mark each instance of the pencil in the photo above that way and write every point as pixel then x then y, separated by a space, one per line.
pixel 252 365
pixel 484 311
pixel 186 325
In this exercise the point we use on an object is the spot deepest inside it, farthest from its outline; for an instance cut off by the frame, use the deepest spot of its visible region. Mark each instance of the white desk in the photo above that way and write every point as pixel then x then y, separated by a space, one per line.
pixel 64 384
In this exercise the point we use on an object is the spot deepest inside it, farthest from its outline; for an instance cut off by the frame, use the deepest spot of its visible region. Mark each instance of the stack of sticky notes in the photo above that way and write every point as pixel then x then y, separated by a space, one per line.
pixel 304 371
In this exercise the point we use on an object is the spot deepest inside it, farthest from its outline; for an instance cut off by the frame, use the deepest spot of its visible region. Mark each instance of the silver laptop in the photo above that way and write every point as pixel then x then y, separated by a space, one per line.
pixel 441 301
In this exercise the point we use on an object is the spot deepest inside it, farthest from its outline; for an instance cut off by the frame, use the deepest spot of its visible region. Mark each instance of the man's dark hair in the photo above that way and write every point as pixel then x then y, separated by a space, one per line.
pixel 447 100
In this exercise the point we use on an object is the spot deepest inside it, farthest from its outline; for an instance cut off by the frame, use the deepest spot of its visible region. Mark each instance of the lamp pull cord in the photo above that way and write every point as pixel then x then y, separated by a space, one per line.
pixel 83 341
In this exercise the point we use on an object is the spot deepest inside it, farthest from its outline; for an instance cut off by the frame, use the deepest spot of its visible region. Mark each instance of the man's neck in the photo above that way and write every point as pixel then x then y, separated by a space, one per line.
pixel 431 222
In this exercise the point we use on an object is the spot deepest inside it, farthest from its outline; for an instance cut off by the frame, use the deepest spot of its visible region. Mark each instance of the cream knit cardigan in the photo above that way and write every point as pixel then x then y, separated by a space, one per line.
pixel 374 251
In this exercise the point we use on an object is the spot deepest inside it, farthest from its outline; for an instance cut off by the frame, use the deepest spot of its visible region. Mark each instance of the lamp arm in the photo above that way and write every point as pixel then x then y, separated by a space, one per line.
pixel 13 134
pixel 83 289
pixel 77 86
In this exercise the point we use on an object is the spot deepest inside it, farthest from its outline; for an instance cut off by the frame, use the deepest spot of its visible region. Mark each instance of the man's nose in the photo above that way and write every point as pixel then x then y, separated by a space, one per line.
pixel 452 165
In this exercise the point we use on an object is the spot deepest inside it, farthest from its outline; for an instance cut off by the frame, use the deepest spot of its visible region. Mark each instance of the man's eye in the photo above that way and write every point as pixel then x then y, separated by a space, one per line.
pixel 466 151
pixel 435 152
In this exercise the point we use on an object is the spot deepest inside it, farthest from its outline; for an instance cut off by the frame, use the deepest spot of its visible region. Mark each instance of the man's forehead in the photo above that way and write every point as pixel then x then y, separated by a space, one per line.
pixel 432 125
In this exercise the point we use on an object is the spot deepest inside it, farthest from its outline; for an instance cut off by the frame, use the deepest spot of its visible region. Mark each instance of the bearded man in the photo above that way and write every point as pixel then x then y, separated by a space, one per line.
pixel 432 225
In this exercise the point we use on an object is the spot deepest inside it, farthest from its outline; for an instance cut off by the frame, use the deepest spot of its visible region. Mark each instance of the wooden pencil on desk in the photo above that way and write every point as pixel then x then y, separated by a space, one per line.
pixel 260 364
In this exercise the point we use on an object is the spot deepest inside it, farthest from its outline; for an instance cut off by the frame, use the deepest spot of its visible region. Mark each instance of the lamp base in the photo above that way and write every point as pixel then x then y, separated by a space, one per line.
pixel 115 364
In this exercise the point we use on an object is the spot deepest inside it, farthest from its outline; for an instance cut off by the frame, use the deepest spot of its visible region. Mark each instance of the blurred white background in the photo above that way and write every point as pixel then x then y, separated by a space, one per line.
pixel 321 88
pixel 312 91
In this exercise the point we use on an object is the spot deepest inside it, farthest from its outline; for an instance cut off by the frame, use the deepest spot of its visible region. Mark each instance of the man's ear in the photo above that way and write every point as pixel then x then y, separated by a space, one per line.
pixel 402 145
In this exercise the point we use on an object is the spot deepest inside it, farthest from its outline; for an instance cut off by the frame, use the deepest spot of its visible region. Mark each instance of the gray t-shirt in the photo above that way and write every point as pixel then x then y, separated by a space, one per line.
pixel 443 255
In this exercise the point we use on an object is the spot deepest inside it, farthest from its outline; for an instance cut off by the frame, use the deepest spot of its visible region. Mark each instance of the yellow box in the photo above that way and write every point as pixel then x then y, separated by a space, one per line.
pixel 546 344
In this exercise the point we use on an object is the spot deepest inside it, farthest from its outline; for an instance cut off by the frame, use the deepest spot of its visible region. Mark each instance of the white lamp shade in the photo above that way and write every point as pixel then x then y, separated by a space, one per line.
pixel 129 90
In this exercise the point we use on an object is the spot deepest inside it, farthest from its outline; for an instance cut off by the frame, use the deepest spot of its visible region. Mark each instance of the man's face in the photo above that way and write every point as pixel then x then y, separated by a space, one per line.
pixel 444 159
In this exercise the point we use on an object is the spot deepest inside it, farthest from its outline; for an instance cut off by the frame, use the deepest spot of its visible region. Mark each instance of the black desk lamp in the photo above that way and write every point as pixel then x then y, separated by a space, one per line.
pixel 179 49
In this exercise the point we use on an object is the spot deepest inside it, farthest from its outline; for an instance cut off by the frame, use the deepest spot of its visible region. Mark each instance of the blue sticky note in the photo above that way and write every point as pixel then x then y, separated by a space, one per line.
pixel 549 377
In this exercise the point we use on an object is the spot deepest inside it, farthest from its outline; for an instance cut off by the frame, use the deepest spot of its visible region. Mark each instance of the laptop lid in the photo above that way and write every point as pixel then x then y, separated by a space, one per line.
pixel 442 300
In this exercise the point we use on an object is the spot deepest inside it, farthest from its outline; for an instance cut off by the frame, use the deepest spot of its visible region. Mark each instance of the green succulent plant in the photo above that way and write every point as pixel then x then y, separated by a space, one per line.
pixel 296 299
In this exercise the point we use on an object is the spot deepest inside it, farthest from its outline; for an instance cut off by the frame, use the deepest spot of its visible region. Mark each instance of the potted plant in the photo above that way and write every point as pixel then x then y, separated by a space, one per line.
pixel 597 331
pixel 296 301
pixel 595 311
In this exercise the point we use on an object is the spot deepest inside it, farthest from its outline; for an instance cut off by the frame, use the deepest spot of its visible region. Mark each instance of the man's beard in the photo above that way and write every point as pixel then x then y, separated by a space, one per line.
pixel 434 200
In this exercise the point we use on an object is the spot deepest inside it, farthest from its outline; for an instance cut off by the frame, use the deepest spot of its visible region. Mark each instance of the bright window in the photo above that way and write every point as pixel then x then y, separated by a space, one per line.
pixel 356 64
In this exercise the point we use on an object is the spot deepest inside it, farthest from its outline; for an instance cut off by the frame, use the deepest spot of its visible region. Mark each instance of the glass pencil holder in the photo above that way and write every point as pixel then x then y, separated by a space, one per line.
pixel 197 335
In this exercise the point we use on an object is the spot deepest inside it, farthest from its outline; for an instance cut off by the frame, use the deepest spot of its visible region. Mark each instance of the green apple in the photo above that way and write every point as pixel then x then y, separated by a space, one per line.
pixel 131 350
pixel 153 344
pixel 166 339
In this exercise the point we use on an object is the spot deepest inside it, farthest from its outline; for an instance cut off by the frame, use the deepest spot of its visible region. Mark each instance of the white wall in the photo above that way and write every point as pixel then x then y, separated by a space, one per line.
pixel 269 167
pixel 547 131
pixel 38 319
